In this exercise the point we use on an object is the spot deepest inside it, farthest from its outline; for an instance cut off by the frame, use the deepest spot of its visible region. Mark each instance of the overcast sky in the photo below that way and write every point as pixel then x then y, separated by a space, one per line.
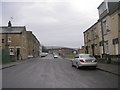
pixel 53 22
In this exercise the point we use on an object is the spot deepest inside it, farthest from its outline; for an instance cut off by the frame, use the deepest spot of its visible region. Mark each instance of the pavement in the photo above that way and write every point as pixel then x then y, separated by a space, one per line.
pixel 11 64
pixel 110 68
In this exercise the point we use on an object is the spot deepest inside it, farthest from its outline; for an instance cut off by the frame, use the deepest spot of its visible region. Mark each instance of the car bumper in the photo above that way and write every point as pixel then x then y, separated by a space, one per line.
pixel 55 57
pixel 88 64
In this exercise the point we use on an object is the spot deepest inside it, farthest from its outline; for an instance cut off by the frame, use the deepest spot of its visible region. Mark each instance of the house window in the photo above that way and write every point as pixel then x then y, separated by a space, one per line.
pixel 87 36
pixel 9 39
pixel 115 41
pixel 100 43
pixel 104 27
pixel 106 47
pixel 101 48
pixel 116 49
pixel 95 34
pixel 11 50
pixel 3 40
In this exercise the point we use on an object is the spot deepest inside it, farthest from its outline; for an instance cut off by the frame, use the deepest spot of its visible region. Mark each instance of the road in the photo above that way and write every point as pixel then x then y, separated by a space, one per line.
pixel 48 72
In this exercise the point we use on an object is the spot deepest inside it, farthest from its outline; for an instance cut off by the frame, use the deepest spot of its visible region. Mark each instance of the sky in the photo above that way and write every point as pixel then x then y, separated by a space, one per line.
pixel 53 22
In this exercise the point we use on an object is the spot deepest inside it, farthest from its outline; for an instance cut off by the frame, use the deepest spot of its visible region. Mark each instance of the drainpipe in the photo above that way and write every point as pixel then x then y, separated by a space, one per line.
pixel 119 31
pixel 102 38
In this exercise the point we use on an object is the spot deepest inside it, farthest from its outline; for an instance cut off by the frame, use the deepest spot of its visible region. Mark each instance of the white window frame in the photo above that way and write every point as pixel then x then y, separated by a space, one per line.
pixel 116 49
pixel 11 52
pixel 9 39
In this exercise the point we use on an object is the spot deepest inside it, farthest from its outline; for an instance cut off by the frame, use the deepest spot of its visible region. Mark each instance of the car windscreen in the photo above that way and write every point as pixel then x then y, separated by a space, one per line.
pixel 86 56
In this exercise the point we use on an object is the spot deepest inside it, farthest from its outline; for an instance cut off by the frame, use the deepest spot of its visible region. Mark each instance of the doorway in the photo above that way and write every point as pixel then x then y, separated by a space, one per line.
pixel 18 53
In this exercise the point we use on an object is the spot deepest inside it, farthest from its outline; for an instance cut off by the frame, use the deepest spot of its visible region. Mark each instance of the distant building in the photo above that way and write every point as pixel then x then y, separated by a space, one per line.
pixel 61 50
pixel 65 50
pixel 19 42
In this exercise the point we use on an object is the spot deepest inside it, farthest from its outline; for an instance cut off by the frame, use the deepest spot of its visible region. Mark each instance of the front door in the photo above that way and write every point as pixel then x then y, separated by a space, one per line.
pixel 18 53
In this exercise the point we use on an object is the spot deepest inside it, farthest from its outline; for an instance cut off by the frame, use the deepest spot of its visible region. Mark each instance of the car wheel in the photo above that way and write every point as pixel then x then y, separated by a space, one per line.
pixel 72 64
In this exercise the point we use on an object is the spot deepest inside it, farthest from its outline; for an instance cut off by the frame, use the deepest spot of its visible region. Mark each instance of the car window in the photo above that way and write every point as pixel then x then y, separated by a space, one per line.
pixel 86 56
pixel 91 56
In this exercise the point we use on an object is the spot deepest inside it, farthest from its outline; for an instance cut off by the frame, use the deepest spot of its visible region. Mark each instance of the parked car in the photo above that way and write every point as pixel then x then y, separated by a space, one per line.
pixel 44 54
pixel 55 56
pixel 30 56
pixel 84 60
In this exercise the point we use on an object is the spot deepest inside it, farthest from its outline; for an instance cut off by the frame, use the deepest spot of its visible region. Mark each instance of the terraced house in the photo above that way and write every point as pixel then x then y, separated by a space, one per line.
pixel 91 40
pixel 17 43
pixel 34 47
pixel 104 36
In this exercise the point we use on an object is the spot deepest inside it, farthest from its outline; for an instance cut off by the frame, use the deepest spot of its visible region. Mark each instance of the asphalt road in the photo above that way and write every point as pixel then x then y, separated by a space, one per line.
pixel 48 72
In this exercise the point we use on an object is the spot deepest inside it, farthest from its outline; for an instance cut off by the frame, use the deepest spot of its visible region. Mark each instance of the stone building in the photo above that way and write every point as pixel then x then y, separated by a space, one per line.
pixel 33 45
pixel 19 42
pixel 104 36
pixel 109 28
pixel 91 40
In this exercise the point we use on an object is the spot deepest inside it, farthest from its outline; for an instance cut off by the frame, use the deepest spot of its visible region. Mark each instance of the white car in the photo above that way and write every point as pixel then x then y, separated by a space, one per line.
pixel 84 60
pixel 44 54
pixel 30 56
pixel 55 56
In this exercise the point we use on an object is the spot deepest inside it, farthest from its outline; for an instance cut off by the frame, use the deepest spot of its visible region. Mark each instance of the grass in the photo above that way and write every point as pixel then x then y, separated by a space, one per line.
pixel 69 55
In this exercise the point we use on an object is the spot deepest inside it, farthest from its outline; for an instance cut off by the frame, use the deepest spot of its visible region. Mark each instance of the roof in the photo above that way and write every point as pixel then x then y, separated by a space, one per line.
pixel 91 27
pixel 12 30
pixel 30 33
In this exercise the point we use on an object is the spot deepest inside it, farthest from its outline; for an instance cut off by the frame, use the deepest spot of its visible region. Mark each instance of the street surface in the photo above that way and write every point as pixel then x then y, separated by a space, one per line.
pixel 48 72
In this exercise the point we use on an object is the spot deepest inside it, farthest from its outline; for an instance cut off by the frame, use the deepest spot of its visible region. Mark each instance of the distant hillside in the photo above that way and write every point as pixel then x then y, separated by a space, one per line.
pixel 57 47
pixel 53 47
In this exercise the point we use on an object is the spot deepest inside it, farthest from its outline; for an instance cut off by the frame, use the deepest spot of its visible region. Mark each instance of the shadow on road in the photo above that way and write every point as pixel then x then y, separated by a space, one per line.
pixel 87 68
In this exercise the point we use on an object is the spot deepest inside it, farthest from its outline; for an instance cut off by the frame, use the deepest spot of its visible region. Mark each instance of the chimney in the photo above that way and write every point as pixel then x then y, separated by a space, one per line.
pixel 9 24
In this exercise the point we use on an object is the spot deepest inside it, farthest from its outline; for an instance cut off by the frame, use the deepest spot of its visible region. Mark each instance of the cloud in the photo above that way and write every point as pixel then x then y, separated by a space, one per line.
pixel 60 23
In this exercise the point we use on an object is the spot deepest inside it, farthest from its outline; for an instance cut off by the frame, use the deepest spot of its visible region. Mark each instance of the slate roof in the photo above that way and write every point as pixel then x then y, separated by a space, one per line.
pixel 12 30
